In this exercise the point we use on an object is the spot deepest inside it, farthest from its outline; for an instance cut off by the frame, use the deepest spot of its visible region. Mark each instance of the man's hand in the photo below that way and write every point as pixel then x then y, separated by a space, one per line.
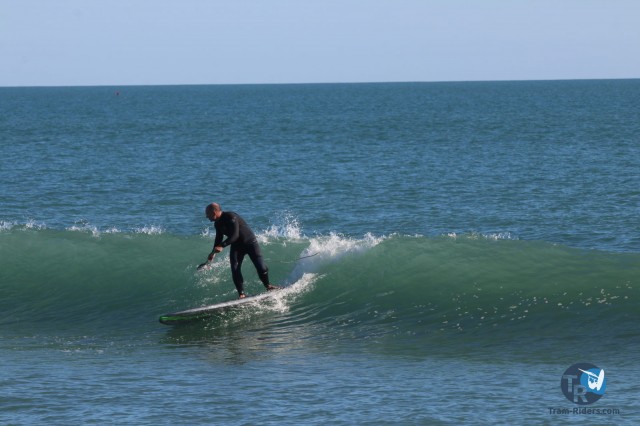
pixel 215 251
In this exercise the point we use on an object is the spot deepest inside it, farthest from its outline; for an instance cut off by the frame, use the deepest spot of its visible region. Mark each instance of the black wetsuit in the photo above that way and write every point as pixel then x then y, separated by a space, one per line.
pixel 242 241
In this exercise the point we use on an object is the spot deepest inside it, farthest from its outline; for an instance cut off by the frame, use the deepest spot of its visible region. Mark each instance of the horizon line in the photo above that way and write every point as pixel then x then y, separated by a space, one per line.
pixel 318 83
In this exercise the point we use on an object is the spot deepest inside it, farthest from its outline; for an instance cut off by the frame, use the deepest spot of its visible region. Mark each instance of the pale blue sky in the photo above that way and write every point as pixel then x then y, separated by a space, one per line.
pixel 124 42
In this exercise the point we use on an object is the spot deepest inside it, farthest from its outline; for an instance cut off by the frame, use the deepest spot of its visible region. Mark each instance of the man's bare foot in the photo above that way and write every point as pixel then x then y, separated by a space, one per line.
pixel 273 287
pixel 242 296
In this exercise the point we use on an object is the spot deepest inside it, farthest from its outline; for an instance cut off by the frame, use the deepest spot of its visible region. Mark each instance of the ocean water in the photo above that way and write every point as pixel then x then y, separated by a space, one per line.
pixel 470 242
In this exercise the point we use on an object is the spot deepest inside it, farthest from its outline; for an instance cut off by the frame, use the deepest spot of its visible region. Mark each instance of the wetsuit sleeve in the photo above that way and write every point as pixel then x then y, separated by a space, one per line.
pixel 235 231
pixel 227 225
pixel 218 239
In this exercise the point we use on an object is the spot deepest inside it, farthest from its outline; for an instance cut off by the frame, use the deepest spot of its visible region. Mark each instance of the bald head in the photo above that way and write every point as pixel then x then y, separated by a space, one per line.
pixel 213 211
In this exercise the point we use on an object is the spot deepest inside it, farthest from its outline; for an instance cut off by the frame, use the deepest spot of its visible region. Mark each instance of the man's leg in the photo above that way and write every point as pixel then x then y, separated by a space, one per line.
pixel 253 250
pixel 235 258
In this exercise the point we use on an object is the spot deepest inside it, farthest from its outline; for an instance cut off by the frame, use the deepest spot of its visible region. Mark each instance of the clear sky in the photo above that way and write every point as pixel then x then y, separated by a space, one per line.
pixel 125 42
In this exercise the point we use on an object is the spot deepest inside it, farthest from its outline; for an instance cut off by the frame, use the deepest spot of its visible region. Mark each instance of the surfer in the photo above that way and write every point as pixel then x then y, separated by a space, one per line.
pixel 242 241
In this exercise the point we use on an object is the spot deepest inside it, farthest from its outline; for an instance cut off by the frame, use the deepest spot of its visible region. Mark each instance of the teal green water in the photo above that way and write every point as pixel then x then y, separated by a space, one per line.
pixel 471 240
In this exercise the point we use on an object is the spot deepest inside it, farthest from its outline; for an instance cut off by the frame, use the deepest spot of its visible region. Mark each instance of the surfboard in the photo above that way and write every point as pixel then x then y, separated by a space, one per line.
pixel 182 317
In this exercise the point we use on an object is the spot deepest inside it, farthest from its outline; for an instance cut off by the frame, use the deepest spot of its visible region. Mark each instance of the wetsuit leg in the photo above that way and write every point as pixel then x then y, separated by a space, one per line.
pixel 253 250
pixel 236 256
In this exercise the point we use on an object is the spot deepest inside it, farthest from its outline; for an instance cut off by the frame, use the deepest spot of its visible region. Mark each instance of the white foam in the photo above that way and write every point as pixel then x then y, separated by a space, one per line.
pixel 337 245
pixel 494 236
pixel 30 225
pixel 327 249
pixel 214 273
pixel 281 300
pixel 288 228
pixel 150 230
pixel 85 227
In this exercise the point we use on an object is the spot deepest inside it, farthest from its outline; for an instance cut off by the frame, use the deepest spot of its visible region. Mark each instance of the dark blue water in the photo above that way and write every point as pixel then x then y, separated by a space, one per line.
pixel 552 161
pixel 473 241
